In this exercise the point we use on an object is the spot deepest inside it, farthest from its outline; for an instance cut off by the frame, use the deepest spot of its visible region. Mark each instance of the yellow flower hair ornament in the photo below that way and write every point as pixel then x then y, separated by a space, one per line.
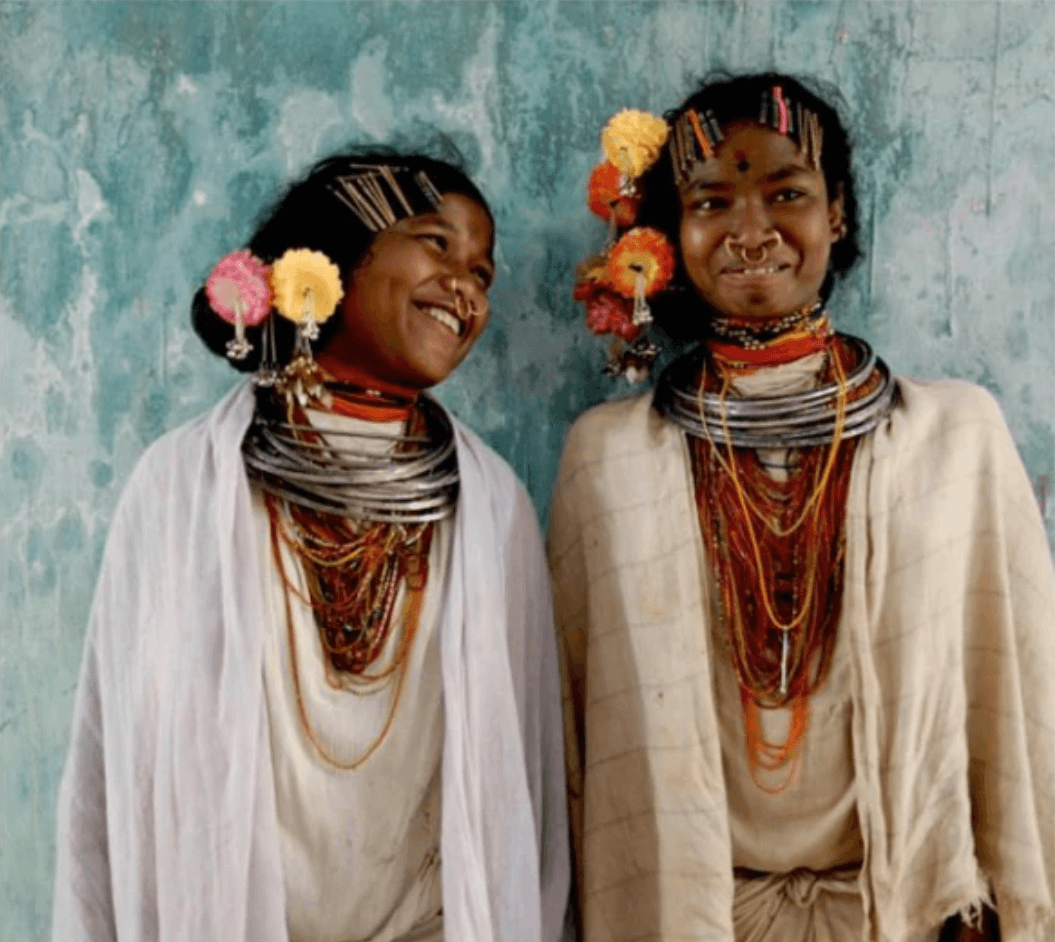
pixel 307 288
pixel 633 141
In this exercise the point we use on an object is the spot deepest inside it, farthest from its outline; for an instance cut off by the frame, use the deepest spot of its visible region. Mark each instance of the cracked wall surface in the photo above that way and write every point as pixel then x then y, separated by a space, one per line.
pixel 140 141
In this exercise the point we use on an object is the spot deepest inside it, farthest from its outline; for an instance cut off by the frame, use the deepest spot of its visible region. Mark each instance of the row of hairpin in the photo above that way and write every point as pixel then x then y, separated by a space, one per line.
pixel 364 194
pixel 693 140
pixel 696 136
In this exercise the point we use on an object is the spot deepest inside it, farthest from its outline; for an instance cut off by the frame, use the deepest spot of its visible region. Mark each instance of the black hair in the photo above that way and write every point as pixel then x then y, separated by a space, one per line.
pixel 679 311
pixel 311 216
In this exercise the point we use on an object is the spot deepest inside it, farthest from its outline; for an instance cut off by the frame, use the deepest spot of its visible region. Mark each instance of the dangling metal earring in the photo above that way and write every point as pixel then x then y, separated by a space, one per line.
pixel 307 287
pixel 267 372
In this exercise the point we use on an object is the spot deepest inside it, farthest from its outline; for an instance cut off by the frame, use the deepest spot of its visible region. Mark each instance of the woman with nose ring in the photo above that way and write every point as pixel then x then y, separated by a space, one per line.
pixel 752 254
pixel 320 699
pixel 805 606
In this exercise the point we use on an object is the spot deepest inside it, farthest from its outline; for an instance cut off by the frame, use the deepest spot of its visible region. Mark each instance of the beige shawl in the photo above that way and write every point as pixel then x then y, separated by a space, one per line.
pixel 950 609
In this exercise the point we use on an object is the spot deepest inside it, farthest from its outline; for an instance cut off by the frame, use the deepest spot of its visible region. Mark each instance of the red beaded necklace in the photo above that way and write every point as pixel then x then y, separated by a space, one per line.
pixel 780 582
pixel 353 570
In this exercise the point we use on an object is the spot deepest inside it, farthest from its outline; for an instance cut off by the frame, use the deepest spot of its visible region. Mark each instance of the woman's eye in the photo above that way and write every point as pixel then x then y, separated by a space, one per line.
pixel 485 276
pixel 437 240
pixel 709 204
pixel 787 195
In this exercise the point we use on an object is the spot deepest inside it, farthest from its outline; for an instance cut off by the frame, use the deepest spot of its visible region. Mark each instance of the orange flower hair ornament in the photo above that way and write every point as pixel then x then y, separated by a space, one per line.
pixel 607 199
pixel 615 285
pixel 640 264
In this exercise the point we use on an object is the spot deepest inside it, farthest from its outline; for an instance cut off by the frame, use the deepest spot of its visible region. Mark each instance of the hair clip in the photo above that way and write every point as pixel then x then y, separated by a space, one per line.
pixel 814 138
pixel 351 195
pixel 704 140
pixel 714 131
pixel 427 189
pixel 390 179
pixel 781 108
pixel 684 149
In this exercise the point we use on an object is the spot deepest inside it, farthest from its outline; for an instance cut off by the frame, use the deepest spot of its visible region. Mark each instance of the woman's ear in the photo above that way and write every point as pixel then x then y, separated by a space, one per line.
pixel 837 215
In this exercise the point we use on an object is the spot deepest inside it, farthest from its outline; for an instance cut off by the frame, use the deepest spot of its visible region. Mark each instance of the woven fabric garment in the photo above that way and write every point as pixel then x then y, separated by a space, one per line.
pixel 947 609
pixel 167 826
pixel 804 885
pixel 360 848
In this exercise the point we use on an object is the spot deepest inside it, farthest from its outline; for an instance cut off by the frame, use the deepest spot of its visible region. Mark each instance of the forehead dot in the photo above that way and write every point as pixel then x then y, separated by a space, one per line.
pixel 741 161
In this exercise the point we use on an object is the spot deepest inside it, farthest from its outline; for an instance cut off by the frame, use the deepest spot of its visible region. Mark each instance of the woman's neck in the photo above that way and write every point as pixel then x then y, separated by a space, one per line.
pixel 357 394
pixel 746 344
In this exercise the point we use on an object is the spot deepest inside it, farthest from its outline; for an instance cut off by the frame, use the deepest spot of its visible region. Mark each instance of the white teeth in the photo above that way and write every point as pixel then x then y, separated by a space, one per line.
pixel 446 318
pixel 772 270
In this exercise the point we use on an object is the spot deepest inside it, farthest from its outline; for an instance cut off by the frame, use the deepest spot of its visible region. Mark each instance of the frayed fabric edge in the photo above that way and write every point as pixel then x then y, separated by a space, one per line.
pixel 1021 920
pixel 969 905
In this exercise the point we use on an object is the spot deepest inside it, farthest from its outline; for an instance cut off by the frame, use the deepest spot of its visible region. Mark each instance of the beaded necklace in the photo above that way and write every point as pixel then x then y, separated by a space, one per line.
pixel 780 584
pixel 353 570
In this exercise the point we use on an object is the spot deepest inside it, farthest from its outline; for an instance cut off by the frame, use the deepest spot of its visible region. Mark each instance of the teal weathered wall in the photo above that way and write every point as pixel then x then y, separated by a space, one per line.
pixel 139 141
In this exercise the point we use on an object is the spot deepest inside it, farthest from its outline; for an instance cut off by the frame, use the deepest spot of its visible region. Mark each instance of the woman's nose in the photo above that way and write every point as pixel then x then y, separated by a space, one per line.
pixel 468 297
pixel 753 228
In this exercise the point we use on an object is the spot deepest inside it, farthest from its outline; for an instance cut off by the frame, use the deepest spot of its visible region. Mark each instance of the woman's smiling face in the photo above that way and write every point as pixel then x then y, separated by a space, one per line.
pixel 757 225
pixel 417 302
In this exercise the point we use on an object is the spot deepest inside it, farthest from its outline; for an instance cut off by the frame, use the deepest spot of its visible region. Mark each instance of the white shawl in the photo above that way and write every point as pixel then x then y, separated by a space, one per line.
pixel 166 819
pixel 949 606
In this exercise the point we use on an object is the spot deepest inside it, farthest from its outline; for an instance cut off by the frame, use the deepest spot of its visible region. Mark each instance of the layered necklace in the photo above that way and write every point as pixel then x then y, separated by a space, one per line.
pixel 357 509
pixel 776 546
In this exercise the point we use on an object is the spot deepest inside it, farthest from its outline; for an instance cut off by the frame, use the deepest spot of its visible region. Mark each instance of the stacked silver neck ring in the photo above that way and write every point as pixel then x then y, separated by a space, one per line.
pixel 795 421
pixel 413 481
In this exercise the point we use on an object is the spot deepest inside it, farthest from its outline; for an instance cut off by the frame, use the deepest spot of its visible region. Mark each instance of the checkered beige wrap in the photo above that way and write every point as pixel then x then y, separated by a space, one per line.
pixel 949 605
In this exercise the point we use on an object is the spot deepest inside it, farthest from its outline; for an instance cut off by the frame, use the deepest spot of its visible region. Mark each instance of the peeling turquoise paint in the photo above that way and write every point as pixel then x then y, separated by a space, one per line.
pixel 141 141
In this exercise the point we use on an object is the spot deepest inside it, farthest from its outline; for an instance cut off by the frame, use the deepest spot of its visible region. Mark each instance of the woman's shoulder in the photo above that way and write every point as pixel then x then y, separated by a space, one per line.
pixel 948 433
pixel 486 475
pixel 609 426
pixel 174 464
pixel 930 408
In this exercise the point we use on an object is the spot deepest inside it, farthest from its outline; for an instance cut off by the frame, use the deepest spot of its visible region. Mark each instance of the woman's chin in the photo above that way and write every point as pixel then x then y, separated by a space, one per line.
pixel 758 305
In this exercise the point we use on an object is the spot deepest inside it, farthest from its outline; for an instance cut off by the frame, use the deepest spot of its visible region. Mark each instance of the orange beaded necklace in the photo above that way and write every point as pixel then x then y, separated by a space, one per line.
pixel 780 582
pixel 353 571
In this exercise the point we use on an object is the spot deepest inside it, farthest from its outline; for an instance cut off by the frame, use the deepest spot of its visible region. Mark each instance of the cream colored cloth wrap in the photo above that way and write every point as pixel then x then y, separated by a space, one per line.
pixel 948 618
pixel 167 821
pixel 804 885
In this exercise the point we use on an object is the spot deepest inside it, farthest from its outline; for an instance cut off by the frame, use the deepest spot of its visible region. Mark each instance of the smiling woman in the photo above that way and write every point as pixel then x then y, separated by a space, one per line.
pixel 801 602
pixel 319 698
pixel 757 225
pixel 417 302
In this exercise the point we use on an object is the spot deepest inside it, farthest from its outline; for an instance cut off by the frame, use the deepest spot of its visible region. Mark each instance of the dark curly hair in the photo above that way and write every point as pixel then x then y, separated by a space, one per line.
pixel 679 311
pixel 310 216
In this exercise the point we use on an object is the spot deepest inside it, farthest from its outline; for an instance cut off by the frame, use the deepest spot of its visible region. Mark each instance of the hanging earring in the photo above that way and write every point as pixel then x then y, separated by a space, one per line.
pixel 239 292
pixel 307 288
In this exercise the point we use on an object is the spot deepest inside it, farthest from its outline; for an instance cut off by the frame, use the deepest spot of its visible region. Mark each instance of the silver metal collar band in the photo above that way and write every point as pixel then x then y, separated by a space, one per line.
pixel 795 421
pixel 415 481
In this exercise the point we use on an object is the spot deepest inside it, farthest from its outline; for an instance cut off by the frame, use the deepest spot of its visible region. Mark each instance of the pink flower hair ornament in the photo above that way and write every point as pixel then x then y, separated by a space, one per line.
pixel 239 291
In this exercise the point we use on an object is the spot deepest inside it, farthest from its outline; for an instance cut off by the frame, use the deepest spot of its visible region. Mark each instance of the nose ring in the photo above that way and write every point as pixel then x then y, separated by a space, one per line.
pixel 462 305
pixel 736 248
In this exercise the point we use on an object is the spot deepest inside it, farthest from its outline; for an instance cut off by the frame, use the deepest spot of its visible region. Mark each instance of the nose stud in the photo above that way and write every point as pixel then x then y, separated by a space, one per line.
pixel 737 249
